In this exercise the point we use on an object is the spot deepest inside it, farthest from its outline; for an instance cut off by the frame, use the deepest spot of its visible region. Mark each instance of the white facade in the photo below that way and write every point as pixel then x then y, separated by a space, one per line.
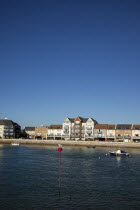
pixel 110 133
pixel 89 126
pixel 67 128
pixel 55 132
pixel 136 134
pixel 78 128
pixel 1 131
pixel 31 134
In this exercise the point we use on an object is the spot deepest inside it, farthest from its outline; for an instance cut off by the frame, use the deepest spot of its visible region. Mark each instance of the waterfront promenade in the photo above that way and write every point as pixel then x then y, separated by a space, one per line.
pixel 71 143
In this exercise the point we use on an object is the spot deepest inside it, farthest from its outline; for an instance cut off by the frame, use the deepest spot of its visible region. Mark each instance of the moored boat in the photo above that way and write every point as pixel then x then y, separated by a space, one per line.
pixel 15 144
pixel 119 153
pixel 91 147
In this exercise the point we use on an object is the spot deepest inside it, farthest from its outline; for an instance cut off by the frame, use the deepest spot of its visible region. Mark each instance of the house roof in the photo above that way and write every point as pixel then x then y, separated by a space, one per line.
pixel 111 127
pixel 123 126
pixel 136 127
pixel 9 123
pixel 101 126
pixel 84 120
pixel 55 127
pixel 29 128
pixel 71 119
pixel 6 122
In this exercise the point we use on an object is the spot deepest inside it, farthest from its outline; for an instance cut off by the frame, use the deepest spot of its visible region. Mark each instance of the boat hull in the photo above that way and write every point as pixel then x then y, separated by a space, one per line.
pixel 118 154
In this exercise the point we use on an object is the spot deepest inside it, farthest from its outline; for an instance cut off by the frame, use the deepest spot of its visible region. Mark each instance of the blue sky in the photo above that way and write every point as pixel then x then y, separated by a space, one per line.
pixel 61 58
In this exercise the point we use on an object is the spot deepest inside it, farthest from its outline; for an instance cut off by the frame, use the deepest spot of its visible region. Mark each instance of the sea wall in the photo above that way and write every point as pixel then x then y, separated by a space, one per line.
pixel 71 143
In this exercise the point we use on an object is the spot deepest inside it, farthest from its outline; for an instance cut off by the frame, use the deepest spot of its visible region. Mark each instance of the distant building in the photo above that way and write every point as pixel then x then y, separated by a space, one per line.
pixel 110 133
pixel 55 132
pixel 9 129
pixel 123 132
pixel 41 132
pixel 136 133
pixel 30 131
pixel 78 128
pixel 100 132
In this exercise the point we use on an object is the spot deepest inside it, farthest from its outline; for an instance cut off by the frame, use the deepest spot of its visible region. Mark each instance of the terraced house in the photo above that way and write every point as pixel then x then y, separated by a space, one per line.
pixel 30 131
pixel 136 133
pixel 55 132
pixel 100 132
pixel 123 132
pixel 41 132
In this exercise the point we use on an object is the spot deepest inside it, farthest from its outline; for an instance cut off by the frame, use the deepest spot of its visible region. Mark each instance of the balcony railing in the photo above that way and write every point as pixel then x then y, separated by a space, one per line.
pixel 89 131
pixel 136 137
pixel 127 137
pixel 110 136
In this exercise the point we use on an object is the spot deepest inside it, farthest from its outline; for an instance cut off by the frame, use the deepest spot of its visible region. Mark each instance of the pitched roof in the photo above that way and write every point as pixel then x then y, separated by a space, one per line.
pixel 29 128
pixel 84 120
pixel 136 127
pixel 101 126
pixel 123 126
pixel 111 127
pixel 71 119
pixel 6 122
pixel 55 127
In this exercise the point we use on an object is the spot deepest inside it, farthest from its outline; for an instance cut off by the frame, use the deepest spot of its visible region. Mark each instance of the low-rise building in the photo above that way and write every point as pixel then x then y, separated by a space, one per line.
pixel 30 131
pixel 110 134
pixel 100 132
pixel 123 132
pixel 41 132
pixel 9 129
pixel 136 133
pixel 54 132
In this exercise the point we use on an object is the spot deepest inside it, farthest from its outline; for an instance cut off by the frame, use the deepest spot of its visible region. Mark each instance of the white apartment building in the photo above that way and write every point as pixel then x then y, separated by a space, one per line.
pixel 110 134
pixel 55 132
pixel 2 131
pixel 30 131
pixel 78 128
pixel 136 132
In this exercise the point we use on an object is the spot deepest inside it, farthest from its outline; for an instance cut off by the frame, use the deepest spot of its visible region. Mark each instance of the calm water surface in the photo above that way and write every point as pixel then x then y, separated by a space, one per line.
pixel 37 177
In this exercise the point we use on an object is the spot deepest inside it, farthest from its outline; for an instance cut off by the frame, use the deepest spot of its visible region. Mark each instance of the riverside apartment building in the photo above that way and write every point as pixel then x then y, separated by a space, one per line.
pixel 78 128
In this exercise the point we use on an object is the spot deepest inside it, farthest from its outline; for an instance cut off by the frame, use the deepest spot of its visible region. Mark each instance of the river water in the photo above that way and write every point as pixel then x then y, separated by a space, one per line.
pixel 39 177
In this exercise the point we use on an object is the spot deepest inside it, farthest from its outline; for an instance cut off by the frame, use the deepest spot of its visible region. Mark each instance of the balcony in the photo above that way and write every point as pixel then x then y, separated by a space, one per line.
pixel 77 122
pixel 77 131
pixel 119 137
pixel 110 136
pixel 75 136
pixel 66 132
pixel 89 128
pixel 77 126
pixel 136 137
pixel 89 132
pixel 127 137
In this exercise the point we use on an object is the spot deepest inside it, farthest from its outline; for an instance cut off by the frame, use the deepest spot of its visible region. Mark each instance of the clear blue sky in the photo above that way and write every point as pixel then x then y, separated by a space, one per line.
pixel 68 58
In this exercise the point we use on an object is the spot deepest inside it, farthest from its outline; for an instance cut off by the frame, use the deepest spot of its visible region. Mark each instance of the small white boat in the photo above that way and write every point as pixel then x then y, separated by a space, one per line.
pixel 15 144
pixel 119 153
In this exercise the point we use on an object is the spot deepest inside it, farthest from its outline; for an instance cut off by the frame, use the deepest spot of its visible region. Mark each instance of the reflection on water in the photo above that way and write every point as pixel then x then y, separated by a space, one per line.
pixel 118 160
pixel 39 177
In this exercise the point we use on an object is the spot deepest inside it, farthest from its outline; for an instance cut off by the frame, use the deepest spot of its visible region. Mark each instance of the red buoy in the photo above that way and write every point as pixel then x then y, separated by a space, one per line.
pixel 60 149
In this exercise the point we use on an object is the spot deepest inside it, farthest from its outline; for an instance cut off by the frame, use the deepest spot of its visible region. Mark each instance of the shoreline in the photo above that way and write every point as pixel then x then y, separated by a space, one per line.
pixel 70 143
